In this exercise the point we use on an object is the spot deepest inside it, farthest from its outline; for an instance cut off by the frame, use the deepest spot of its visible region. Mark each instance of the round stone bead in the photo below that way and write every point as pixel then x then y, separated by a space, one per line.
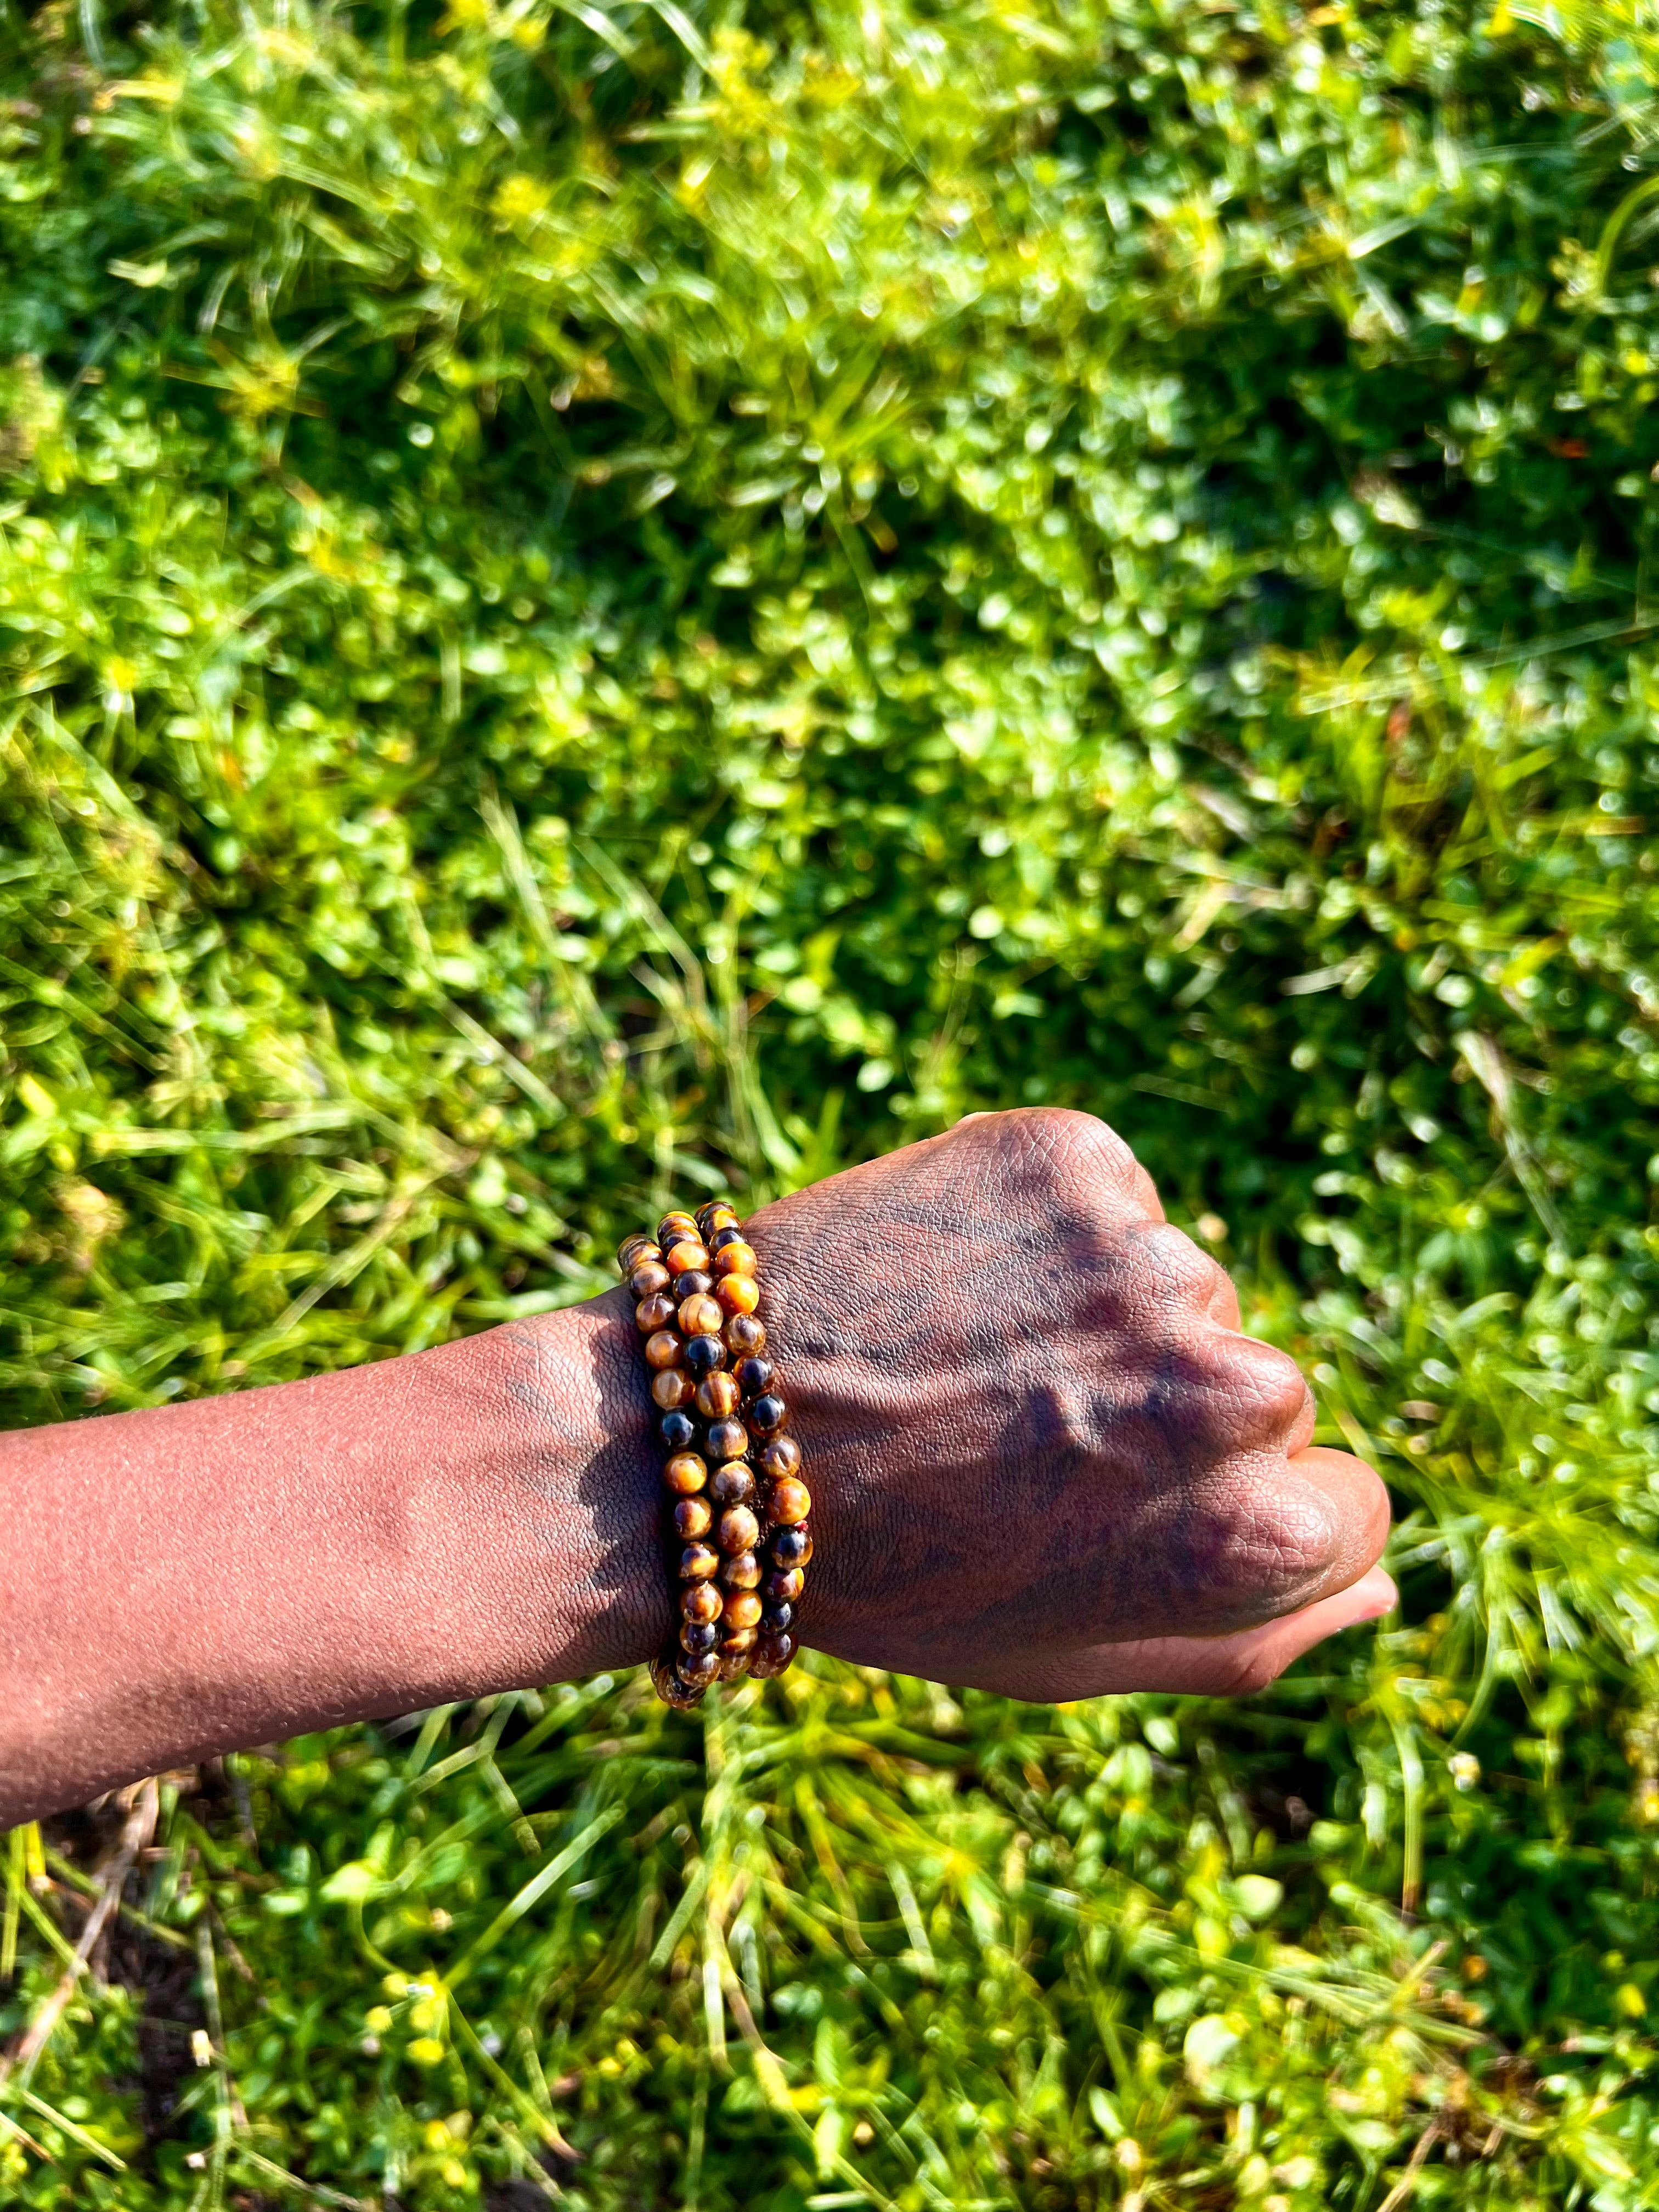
pixel 778 1616
pixel 780 1458
pixel 685 1474
pixel 742 1609
pixel 635 1250
pixel 665 1676
pixel 698 1563
pixel 664 1349
pixel 674 1228
pixel 671 1387
pixel 738 1259
pixel 699 1668
pixel 736 1642
pixel 693 1518
pixel 727 1440
pixel 654 1313
pixel 738 1294
pixel 743 1332
pixel 718 1216
pixel 734 1665
pixel 717 1395
pixel 784 1586
pixel 755 1376
pixel 743 1572
pixel 790 1502
pixel 647 1278
pixel 768 1413
pixel 695 1282
pixel 678 1432
pixel 738 1531
pixel 792 1547
pixel 728 1233
pixel 771 1654
pixel 700 1316
pixel 690 1252
pixel 703 1354
pixel 699 1635
pixel 734 1483
pixel 703 1601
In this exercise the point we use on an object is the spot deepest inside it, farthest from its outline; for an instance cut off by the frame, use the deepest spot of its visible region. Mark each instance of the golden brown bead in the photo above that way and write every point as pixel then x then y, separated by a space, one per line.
pixel 674 1228
pixel 717 1395
pixel 671 1387
pixel 699 1635
pixel 771 1654
pixel 703 1601
pixel 727 1440
pixel 738 1531
pixel 719 1213
pixel 648 1279
pixel 700 1315
pixel 743 1332
pixel 734 1665
pixel 790 1502
pixel 738 1259
pixel 792 1547
pixel 662 1349
pixel 690 1252
pixel 654 1313
pixel 738 1294
pixel 685 1474
pixel 736 1642
pixel 669 1687
pixel 693 1517
pixel 698 1563
pixel 743 1572
pixel 633 1251
pixel 784 1587
pixel 699 1668
pixel 778 1459
pixel 742 1609
pixel 734 1483
pixel 768 1413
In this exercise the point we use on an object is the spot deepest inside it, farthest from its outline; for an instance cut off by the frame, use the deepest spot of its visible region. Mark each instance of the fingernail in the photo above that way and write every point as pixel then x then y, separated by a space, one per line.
pixel 1371 1597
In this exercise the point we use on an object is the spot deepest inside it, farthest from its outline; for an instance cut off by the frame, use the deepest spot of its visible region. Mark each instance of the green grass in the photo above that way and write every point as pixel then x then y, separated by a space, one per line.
pixel 595 604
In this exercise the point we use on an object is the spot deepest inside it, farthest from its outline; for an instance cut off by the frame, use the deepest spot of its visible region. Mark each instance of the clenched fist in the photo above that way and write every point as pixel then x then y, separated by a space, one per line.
pixel 1044 1459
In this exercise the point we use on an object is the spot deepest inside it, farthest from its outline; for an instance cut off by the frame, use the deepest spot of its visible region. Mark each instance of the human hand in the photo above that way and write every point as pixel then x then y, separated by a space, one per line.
pixel 1043 1459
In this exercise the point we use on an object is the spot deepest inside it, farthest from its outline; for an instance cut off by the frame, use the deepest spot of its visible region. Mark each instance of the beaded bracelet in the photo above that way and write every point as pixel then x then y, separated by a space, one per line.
pixel 738 1534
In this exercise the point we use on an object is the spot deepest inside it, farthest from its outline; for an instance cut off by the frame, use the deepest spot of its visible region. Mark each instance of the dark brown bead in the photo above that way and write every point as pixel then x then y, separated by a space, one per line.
pixel 743 1609
pixel 700 1668
pixel 727 1440
pixel 664 1349
pixel 701 1316
pixel 778 1616
pixel 693 1517
pixel 675 1228
pixel 743 1572
pixel 728 1232
pixel 648 1279
pixel 755 1376
pixel 654 1313
pixel 685 1474
pixel 690 1252
pixel 703 1601
pixel 677 1432
pixel 738 1530
pixel 703 1354
pixel 671 1387
pixel 784 1586
pixel 699 1635
pixel 779 1458
pixel 633 1251
pixel 771 1654
pixel 734 1483
pixel 717 1216
pixel 695 1282
pixel 737 1259
pixel 698 1563
pixel 738 1294
pixel 665 1679
pixel 738 1643
pixel 790 1502
pixel 744 1334
pixel 717 1395
pixel 768 1413
pixel 734 1665
pixel 792 1547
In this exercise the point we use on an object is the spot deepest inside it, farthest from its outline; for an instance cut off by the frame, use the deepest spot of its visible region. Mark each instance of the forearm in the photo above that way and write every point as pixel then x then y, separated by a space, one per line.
pixel 237 1570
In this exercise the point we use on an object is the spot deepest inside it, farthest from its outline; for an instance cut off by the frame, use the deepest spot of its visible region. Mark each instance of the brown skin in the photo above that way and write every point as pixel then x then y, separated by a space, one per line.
pixel 1043 1458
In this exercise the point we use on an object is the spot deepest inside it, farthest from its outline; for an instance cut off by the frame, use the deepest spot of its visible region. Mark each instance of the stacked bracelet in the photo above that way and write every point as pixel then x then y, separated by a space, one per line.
pixel 739 1537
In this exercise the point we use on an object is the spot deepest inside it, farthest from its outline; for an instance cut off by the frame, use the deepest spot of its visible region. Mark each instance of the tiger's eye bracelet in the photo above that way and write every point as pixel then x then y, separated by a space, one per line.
pixel 738 1535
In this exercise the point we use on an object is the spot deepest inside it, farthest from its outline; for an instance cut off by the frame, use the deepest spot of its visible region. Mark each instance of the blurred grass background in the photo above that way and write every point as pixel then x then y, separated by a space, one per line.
pixel 601 601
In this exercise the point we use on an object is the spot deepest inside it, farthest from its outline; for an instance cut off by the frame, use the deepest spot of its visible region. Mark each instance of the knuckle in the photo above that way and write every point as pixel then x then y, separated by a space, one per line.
pixel 1268 1395
pixel 1080 1148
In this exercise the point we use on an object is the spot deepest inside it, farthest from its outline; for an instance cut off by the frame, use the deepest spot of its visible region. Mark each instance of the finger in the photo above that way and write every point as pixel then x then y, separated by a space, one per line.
pixel 1356 1501
pixel 1210 1665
